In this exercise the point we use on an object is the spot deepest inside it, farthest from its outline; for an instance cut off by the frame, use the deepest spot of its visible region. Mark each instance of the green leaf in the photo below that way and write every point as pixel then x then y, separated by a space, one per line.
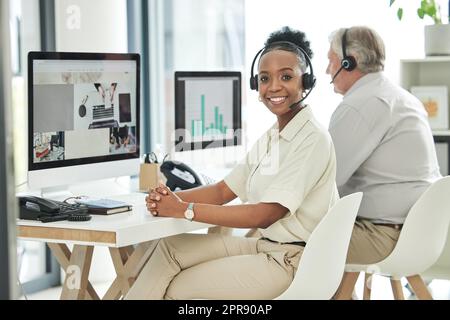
pixel 399 13
pixel 424 4
pixel 431 11
pixel 427 8
pixel 420 13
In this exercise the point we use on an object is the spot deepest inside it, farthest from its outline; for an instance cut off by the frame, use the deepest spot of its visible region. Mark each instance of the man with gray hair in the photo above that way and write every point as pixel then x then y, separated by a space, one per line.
pixel 383 141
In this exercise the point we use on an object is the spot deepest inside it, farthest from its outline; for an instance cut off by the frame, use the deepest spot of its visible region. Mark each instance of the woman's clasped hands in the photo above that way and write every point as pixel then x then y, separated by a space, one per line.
pixel 162 202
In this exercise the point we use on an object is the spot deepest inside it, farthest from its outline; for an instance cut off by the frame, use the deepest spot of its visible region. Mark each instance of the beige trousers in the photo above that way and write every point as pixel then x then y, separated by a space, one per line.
pixel 371 243
pixel 213 266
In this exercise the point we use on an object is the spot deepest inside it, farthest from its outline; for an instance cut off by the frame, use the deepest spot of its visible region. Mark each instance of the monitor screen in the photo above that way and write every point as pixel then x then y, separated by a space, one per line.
pixel 83 109
pixel 207 109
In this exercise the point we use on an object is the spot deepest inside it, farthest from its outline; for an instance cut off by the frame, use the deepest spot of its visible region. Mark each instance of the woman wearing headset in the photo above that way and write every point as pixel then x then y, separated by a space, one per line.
pixel 287 182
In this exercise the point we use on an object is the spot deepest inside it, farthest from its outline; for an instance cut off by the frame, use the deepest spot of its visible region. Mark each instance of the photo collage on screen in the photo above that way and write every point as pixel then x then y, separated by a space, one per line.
pixel 83 114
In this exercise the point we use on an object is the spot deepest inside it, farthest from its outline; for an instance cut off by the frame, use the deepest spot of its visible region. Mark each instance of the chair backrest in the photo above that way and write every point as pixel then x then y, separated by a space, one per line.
pixel 322 263
pixel 424 232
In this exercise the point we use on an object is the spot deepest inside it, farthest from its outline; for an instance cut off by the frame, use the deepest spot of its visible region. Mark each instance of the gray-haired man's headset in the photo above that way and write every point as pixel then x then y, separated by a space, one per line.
pixel 308 79
pixel 348 63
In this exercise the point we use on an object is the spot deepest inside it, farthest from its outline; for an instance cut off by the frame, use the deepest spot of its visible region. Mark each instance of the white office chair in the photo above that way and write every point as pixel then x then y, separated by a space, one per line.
pixel 420 244
pixel 322 263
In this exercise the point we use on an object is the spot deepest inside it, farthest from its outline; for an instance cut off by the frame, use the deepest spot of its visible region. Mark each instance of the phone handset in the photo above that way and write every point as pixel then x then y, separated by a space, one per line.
pixel 39 204
pixel 180 176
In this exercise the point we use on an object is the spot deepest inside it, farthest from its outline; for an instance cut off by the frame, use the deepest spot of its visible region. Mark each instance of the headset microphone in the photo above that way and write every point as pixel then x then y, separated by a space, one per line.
pixel 299 101
pixel 295 104
pixel 336 74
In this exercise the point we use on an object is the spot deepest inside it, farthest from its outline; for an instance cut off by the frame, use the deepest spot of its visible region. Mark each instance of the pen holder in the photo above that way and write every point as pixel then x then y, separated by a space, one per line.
pixel 149 176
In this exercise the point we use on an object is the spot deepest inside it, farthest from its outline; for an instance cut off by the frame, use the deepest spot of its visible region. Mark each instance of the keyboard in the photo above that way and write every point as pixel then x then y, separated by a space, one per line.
pixel 104 124
pixel 99 112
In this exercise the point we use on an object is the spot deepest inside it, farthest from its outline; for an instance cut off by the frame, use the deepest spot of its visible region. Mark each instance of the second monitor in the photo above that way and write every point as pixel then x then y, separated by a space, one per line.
pixel 207 109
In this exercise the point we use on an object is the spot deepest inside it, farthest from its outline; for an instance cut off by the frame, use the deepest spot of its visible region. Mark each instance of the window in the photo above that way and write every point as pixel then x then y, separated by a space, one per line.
pixel 24 26
pixel 196 35
pixel 35 268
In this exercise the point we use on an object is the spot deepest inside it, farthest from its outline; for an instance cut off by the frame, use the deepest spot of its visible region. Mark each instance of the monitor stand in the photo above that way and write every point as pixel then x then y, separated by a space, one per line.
pixel 59 193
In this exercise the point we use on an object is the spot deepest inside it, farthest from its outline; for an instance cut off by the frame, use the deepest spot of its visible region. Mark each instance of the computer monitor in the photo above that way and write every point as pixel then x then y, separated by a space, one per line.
pixel 83 117
pixel 207 109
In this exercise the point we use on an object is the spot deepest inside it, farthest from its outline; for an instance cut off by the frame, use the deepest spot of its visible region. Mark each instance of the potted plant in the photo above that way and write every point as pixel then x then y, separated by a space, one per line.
pixel 437 35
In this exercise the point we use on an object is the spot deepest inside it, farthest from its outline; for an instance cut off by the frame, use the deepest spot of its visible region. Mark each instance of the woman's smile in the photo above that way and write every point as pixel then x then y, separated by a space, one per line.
pixel 277 100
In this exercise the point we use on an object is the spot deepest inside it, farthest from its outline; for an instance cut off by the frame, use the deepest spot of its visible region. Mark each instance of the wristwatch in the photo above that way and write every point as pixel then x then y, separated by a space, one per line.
pixel 189 213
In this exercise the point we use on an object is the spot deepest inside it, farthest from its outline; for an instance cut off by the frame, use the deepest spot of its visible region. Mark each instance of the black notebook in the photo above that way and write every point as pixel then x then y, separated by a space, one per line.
pixel 105 206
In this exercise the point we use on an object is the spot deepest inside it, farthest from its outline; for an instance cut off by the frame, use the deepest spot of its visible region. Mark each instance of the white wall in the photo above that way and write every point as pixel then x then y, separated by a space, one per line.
pixel 403 39
pixel 92 26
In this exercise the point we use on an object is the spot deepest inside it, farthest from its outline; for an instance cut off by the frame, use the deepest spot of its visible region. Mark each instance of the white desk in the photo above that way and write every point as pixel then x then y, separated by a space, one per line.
pixel 119 232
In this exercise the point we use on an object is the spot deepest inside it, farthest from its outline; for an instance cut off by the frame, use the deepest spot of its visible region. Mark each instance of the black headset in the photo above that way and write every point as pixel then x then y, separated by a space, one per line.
pixel 348 62
pixel 308 79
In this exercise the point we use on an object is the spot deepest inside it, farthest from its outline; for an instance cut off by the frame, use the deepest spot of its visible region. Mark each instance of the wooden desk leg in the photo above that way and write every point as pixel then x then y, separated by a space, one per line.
pixel 119 258
pixel 128 263
pixel 77 273
pixel 114 291
pixel 81 258
pixel 121 284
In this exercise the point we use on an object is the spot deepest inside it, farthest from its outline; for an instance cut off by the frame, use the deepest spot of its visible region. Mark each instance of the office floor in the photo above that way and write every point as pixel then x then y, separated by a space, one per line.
pixel 381 290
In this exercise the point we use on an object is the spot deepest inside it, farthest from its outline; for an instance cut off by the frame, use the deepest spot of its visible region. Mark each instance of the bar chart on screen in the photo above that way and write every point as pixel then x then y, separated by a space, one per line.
pixel 209 109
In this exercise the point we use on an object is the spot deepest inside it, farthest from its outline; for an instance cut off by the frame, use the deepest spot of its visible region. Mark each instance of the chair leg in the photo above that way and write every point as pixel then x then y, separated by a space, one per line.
pixel 419 287
pixel 397 289
pixel 346 287
pixel 368 277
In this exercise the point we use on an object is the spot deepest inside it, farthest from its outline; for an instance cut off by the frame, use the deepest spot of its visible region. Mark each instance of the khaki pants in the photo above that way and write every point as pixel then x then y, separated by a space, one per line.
pixel 371 243
pixel 213 266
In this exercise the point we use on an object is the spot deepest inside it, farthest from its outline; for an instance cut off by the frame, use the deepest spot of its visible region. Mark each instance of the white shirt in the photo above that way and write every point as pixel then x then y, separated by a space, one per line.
pixel 295 168
pixel 384 148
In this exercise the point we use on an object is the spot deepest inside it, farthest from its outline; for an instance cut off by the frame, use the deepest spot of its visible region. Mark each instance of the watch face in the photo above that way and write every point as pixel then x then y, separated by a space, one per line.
pixel 189 214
